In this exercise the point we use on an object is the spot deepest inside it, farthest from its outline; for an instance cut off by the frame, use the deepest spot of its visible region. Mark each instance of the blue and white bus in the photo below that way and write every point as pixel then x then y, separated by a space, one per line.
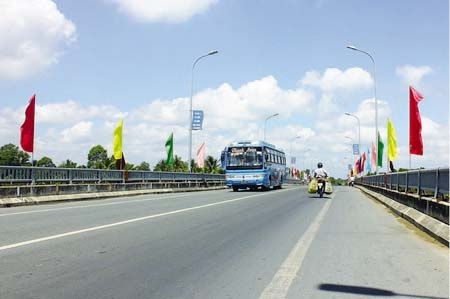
pixel 253 165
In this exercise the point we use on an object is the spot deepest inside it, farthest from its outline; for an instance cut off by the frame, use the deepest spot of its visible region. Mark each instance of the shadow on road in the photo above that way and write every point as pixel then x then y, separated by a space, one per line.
pixel 367 291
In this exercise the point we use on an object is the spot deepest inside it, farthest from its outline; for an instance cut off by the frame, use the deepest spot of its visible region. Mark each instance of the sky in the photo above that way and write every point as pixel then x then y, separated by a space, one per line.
pixel 92 63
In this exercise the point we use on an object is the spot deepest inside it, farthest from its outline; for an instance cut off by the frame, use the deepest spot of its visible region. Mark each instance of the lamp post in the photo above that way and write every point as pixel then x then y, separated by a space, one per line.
pixel 304 159
pixel 190 106
pixel 375 99
pixel 351 139
pixel 265 122
pixel 359 131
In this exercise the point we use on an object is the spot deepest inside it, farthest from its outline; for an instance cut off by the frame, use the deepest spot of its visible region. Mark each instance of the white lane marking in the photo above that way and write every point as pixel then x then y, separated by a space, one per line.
pixel 15 245
pixel 281 282
pixel 92 205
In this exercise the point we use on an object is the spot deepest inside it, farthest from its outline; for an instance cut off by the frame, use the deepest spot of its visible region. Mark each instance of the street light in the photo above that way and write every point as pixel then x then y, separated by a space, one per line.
pixel 190 106
pixel 265 122
pixel 293 139
pixel 359 131
pixel 351 139
pixel 290 153
pixel 375 98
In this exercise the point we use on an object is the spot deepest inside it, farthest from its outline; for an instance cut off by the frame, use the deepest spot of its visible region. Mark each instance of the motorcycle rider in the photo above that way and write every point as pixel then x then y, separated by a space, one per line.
pixel 321 174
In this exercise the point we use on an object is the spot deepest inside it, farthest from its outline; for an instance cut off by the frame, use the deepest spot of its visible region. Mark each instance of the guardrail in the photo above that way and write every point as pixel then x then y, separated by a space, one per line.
pixel 52 175
pixel 423 182
pixel 425 190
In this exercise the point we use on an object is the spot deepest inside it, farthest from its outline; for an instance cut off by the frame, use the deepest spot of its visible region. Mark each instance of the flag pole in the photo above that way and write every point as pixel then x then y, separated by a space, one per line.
pixel 409 134
pixel 32 168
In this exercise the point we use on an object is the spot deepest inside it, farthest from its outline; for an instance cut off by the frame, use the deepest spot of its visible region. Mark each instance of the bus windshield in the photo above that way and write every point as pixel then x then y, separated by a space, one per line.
pixel 244 158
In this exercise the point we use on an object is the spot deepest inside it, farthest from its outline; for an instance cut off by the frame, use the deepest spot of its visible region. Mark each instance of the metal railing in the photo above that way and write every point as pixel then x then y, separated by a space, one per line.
pixel 51 175
pixel 423 182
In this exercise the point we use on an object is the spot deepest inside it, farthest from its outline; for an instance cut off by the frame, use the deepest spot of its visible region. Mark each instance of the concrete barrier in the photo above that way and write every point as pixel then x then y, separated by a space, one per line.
pixel 37 194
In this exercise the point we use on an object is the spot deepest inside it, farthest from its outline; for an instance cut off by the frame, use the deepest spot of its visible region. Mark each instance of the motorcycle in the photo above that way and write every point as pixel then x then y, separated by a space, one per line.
pixel 351 181
pixel 320 187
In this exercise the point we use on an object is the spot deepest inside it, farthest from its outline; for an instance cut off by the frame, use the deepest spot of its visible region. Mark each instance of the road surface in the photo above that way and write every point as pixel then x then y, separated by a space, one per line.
pixel 219 244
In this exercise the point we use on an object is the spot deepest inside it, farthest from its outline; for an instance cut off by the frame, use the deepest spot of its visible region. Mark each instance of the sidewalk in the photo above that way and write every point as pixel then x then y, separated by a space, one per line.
pixel 435 228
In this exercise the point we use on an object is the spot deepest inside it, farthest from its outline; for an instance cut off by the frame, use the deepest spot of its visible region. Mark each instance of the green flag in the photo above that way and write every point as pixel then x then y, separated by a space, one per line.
pixel 169 150
pixel 380 151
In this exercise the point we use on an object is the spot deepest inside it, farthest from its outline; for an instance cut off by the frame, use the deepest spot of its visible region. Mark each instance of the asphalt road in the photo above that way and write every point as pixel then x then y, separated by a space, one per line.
pixel 218 244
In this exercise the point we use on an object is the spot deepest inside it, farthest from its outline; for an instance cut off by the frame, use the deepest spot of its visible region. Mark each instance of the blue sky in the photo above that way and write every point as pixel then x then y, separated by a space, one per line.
pixel 91 63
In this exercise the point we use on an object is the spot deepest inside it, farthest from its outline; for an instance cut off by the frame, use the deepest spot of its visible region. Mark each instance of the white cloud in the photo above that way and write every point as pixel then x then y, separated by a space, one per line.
pixel 33 34
pixel 173 11
pixel 77 132
pixel 68 130
pixel 70 112
pixel 412 75
pixel 334 79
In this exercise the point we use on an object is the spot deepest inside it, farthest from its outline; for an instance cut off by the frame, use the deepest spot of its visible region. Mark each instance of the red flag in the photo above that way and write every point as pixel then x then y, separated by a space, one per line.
pixel 201 155
pixel 415 123
pixel 27 128
pixel 363 161
pixel 358 166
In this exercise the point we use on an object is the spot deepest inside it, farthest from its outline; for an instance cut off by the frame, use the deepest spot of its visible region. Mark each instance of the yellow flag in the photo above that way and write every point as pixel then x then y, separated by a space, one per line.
pixel 391 141
pixel 117 141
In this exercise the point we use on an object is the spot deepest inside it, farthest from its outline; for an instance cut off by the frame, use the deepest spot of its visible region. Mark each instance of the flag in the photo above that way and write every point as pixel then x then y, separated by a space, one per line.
pixel 201 156
pixel 391 141
pixel 373 158
pixel 27 128
pixel 415 123
pixel 368 169
pixel 117 140
pixel 363 161
pixel 391 166
pixel 380 151
pixel 169 150
pixel 358 166
pixel 120 163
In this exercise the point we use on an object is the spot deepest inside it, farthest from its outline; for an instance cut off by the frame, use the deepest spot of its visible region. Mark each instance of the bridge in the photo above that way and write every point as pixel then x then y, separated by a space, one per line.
pixel 222 244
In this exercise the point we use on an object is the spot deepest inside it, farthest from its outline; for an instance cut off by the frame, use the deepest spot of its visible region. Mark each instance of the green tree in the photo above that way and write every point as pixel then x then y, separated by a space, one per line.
pixel 98 158
pixel 45 162
pixel 212 165
pixel 178 165
pixel 161 166
pixel 143 166
pixel 68 164
pixel 10 155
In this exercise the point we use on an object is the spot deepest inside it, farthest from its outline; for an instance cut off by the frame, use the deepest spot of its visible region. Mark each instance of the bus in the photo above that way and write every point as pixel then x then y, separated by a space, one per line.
pixel 253 165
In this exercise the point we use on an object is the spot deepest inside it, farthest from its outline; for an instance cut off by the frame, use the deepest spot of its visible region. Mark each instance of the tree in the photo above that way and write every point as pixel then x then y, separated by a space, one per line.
pixel 68 164
pixel 161 166
pixel 45 162
pixel 178 165
pixel 143 166
pixel 211 165
pixel 10 155
pixel 98 158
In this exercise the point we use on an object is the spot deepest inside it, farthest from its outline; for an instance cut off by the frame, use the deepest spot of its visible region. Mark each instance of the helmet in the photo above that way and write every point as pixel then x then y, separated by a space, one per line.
pixel 319 165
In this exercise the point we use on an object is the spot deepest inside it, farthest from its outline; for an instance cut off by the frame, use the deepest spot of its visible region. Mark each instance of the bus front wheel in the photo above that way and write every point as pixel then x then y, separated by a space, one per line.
pixel 235 189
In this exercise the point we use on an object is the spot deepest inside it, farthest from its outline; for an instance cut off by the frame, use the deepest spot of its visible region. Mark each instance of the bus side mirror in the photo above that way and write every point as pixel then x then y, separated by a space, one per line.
pixel 266 157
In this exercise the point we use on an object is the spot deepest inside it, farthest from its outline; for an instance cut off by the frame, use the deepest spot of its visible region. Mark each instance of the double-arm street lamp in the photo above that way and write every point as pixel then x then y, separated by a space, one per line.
pixel 190 107
pixel 375 98
pixel 265 122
